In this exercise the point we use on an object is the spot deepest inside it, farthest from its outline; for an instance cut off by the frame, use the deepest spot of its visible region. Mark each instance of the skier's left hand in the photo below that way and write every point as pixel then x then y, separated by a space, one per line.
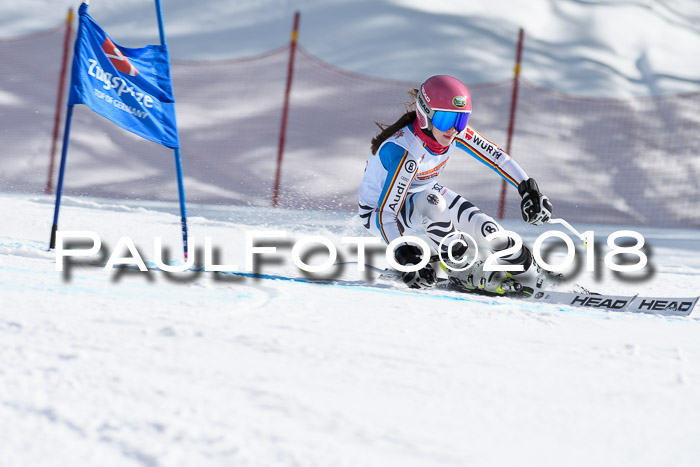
pixel 535 207
pixel 409 255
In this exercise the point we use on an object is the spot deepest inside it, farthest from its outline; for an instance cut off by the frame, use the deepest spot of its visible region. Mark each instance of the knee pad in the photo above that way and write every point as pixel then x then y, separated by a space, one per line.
pixel 431 205
pixel 485 226
pixel 481 226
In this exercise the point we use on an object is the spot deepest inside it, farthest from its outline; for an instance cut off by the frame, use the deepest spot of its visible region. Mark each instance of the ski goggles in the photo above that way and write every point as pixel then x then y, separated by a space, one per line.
pixel 443 120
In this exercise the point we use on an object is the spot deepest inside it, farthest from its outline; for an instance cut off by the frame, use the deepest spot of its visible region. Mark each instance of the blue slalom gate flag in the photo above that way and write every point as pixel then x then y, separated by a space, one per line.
pixel 130 87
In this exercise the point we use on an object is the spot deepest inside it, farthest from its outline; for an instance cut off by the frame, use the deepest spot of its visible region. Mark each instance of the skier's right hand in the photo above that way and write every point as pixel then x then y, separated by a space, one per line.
pixel 535 207
pixel 409 255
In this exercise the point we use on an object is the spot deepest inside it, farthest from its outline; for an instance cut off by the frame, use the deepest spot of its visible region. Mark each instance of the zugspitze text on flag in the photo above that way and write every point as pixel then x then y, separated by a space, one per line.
pixel 130 87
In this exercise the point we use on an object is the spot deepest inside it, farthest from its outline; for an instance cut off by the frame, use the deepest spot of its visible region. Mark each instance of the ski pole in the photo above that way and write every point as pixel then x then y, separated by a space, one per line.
pixel 571 229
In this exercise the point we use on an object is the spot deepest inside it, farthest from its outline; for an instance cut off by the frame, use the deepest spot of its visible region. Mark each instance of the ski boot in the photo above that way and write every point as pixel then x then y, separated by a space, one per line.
pixel 535 278
pixel 475 279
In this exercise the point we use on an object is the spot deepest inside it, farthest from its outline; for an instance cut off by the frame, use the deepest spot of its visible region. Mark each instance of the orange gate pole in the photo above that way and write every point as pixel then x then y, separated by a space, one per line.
pixel 59 100
pixel 285 110
pixel 511 123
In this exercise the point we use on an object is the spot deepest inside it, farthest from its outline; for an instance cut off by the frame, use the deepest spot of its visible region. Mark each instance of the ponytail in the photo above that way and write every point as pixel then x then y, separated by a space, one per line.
pixel 406 119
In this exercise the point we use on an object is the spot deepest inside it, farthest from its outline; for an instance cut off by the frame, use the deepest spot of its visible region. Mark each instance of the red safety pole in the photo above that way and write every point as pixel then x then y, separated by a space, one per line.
pixel 59 100
pixel 285 109
pixel 511 123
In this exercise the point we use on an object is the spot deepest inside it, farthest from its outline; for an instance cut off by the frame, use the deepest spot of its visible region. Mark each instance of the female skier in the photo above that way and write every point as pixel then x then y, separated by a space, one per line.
pixel 400 189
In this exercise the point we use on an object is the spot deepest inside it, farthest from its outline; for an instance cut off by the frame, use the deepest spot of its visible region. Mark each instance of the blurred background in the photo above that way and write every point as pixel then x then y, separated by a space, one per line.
pixel 607 116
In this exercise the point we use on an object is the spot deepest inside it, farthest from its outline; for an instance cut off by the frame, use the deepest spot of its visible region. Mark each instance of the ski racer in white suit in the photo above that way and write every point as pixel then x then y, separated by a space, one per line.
pixel 401 188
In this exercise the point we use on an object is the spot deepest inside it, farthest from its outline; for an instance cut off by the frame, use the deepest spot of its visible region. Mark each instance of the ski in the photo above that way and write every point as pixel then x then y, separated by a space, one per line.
pixel 390 281
pixel 581 298
pixel 656 305
pixel 665 306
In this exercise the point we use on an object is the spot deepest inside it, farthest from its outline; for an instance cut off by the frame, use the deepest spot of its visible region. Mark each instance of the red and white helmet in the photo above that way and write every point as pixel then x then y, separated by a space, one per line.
pixel 443 102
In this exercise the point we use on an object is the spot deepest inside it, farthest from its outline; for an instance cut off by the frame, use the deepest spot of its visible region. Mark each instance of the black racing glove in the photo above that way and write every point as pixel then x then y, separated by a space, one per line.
pixel 535 207
pixel 408 255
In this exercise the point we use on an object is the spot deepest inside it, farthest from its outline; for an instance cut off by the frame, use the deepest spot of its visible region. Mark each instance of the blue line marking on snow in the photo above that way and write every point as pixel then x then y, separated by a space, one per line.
pixel 362 285
pixel 355 285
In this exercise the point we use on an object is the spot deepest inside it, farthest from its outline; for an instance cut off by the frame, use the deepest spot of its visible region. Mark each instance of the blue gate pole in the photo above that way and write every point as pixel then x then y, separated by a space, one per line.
pixel 61 172
pixel 178 157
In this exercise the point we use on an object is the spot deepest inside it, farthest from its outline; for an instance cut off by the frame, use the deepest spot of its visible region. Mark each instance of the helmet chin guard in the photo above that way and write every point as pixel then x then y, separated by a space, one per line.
pixel 441 92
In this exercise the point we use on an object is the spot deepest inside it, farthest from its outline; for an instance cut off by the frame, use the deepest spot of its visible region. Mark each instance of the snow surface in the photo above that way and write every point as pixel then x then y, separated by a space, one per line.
pixel 106 368
pixel 109 369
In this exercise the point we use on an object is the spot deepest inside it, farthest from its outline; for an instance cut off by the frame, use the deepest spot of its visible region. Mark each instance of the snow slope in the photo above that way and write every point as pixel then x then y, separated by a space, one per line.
pixel 102 368
pixel 605 48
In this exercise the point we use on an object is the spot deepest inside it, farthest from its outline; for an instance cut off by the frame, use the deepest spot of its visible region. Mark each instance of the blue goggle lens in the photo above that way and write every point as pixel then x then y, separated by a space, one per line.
pixel 443 120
